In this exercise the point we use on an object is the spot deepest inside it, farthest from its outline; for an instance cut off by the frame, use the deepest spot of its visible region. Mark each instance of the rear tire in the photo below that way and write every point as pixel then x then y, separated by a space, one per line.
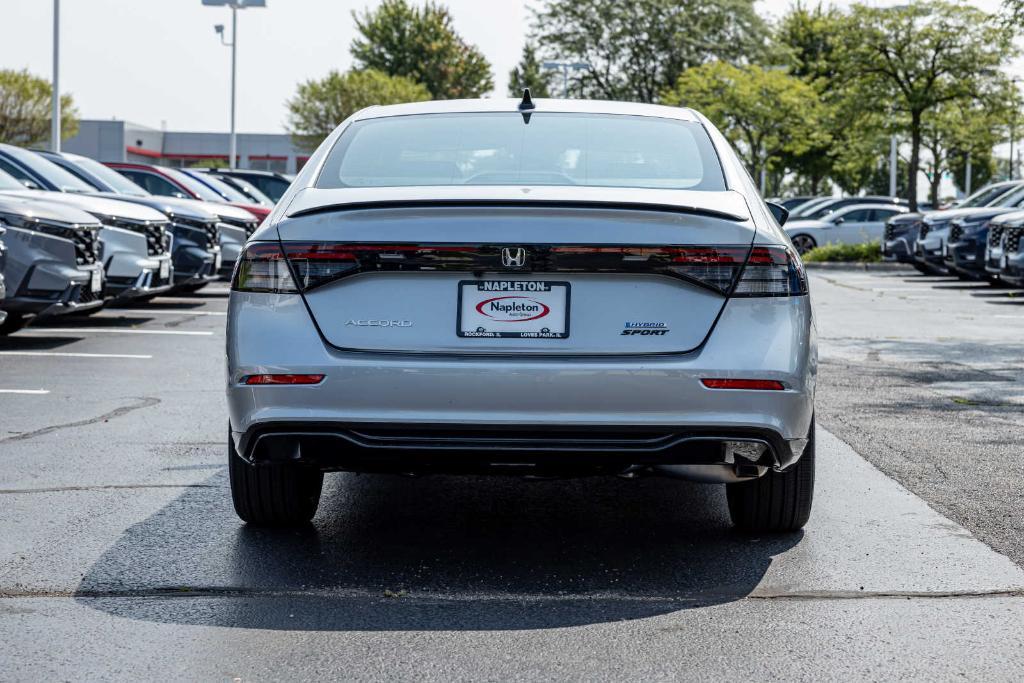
pixel 777 502
pixel 13 323
pixel 273 495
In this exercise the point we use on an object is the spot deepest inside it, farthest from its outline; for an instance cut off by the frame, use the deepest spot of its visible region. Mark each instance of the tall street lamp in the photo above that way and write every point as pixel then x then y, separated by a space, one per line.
pixel 565 67
pixel 235 5
pixel 55 96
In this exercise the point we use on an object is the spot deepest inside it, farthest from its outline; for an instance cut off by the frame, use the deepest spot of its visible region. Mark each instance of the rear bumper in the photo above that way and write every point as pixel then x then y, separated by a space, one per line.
pixel 510 449
pixel 760 338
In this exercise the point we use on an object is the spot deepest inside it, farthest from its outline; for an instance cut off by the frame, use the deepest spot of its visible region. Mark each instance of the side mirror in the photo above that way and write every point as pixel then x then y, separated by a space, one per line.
pixel 839 221
pixel 30 184
pixel 780 212
pixel 181 195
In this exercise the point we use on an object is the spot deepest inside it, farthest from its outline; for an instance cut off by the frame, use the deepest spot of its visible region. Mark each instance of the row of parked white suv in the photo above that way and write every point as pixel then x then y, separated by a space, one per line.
pixel 76 235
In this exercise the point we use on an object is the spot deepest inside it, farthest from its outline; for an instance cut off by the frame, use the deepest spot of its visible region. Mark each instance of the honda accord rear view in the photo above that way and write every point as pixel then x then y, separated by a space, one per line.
pixel 546 288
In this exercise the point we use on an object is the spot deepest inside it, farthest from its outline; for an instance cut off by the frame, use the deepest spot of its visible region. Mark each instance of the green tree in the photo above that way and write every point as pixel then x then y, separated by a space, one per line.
pixel 806 41
pixel 320 105
pixel 765 113
pixel 420 43
pixel 917 57
pixel 954 130
pixel 529 74
pixel 1013 13
pixel 25 109
pixel 638 49
pixel 983 169
pixel 809 39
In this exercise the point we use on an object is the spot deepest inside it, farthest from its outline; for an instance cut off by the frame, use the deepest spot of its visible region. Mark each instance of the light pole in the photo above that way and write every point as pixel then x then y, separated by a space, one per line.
pixel 565 67
pixel 235 5
pixel 55 95
pixel 892 165
pixel 1013 127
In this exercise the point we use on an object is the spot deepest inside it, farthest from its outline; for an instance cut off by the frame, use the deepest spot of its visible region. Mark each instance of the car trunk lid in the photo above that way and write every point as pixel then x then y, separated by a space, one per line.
pixel 467 276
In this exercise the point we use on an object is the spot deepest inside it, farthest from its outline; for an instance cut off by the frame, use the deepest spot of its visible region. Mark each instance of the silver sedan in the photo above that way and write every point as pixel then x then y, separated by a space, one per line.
pixel 544 288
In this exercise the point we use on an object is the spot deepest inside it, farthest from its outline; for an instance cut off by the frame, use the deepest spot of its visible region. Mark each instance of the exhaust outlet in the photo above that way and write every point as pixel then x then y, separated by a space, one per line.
pixel 712 474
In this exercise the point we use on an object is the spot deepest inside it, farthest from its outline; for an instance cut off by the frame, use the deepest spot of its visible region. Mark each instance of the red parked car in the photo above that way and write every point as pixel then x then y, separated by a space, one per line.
pixel 172 182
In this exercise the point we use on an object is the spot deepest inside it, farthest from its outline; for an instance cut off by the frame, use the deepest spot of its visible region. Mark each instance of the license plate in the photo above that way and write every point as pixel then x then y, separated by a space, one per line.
pixel 518 309
pixel 945 249
pixel 96 281
pixel 216 262
pixel 165 269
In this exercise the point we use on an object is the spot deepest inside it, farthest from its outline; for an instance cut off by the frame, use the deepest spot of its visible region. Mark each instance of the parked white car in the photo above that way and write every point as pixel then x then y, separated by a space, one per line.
pixel 855 224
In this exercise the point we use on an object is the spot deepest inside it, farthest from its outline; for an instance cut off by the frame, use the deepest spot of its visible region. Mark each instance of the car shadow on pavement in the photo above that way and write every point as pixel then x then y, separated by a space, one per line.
pixel 25 343
pixel 83 321
pixel 436 553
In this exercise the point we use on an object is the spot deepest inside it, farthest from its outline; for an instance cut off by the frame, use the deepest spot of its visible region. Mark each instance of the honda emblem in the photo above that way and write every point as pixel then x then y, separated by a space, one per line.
pixel 513 257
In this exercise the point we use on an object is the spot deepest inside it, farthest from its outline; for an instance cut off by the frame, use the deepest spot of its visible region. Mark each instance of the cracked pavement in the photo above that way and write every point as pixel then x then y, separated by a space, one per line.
pixel 120 556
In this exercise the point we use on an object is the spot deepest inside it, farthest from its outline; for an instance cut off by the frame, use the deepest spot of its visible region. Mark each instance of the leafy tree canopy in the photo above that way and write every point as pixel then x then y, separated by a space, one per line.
pixel 765 113
pixel 638 49
pixel 320 105
pixel 420 43
pixel 529 74
pixel 912 59
pixel 25 109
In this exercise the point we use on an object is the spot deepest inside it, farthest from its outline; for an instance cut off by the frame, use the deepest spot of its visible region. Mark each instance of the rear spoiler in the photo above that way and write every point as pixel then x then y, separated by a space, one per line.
pixel 728 205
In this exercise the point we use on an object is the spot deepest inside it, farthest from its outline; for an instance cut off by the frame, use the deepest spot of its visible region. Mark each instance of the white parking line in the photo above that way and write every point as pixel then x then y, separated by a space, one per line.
pixel 108 330
pixel 33 392
pixel 148 311
pixel 185 300
pixel 901 289
pixel 63 354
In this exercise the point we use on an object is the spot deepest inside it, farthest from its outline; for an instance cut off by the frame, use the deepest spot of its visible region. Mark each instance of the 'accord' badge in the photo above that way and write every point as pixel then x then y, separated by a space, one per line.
pixel 380 323
pixel 513 257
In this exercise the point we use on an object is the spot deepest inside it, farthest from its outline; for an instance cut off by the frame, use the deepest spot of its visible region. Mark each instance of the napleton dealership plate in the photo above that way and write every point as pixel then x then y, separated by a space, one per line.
pixel 519 309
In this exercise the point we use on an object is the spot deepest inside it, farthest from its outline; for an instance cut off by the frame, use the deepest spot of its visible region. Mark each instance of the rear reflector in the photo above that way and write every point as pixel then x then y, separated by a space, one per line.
pixel 282 379
pixel 755 384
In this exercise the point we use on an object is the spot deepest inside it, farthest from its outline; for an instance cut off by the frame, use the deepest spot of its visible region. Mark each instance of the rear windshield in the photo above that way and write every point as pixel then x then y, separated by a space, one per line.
pixel 599 150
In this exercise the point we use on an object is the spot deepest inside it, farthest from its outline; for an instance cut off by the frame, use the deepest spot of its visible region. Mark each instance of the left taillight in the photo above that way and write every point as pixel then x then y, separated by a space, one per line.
pixel 262 268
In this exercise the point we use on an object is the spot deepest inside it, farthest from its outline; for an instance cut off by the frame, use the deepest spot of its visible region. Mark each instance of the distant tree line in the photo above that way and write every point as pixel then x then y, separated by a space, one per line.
pixel 811 99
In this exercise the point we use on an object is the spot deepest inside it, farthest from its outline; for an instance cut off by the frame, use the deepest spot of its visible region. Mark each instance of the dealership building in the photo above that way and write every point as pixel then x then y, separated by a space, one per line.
pixel 113 140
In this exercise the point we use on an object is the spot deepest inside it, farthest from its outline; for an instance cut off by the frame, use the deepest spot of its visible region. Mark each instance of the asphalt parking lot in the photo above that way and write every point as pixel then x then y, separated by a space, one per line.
pixel 118 541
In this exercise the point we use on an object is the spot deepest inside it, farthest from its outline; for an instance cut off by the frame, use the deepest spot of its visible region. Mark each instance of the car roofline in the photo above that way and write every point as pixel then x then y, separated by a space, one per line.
pixel 541 105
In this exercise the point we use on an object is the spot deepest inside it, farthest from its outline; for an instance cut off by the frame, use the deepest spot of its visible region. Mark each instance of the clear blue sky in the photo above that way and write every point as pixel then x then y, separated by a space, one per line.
pixel 154 61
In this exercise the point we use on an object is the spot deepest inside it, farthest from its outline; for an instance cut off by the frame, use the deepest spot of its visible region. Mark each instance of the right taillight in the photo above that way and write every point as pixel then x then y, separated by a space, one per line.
pixel 262 268
pixel 772 271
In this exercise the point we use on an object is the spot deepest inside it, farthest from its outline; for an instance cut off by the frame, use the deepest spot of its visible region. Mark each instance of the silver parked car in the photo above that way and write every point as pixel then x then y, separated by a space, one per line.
pixel 853 224
pixel 559 287
pixel 51 265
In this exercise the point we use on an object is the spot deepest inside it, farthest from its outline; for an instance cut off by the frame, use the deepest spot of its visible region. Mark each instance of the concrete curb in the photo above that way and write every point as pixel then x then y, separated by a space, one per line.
pixel 857 265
